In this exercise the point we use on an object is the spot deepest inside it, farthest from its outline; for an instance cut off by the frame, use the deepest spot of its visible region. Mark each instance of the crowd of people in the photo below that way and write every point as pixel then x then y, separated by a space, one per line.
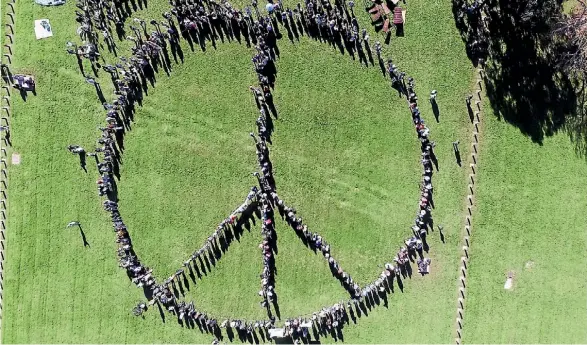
pixel 267 247
pixel 199 22
pixel 330 320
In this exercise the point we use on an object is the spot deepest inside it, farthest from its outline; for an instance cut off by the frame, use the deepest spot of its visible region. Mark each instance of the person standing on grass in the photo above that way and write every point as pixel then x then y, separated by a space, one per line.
pixel 76 150
pixel 257 94
pixel 5 70
pixel 6 131
pixel 419 247
pixel 72 224
pixel 271 41
pixel 268 96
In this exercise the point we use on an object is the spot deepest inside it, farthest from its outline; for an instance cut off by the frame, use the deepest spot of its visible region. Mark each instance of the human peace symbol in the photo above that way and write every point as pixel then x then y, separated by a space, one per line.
pixel 197 21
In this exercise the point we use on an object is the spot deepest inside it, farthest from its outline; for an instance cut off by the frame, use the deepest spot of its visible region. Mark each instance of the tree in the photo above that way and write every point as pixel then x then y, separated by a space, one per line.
pixel 524 79
pixel 573 28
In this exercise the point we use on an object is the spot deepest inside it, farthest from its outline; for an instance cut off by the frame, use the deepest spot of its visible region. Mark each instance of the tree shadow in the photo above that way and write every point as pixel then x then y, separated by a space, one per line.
pixel 524 83
pixel 577 126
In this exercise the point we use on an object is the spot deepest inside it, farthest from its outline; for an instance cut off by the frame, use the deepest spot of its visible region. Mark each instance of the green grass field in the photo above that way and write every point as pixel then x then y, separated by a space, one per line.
pixel 344 154
pixel 530 222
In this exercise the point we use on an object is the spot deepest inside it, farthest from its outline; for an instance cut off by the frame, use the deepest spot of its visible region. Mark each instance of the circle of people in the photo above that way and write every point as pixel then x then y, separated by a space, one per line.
pixel 198 21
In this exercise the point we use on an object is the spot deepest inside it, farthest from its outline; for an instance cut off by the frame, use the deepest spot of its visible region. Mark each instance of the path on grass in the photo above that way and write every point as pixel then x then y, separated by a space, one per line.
pixel 477 114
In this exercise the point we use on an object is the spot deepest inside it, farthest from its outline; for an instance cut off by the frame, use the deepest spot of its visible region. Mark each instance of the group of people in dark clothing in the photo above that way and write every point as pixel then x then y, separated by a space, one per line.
pixel 199 22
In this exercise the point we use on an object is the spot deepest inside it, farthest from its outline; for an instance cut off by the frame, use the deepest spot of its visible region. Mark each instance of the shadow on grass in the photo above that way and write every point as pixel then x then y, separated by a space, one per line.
pixel 525 85
pixel 577 126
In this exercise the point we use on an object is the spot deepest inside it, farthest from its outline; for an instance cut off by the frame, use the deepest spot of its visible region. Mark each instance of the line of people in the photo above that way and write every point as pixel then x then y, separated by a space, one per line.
pixel 315 242
pixel 218 242
pixel 264 65
pixel 231 227
pixel 424 221
pixel 268 248
pixel 139 274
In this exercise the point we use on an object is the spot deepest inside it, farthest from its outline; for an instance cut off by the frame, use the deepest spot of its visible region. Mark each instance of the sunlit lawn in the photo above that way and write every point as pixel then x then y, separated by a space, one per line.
pixel 344 153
